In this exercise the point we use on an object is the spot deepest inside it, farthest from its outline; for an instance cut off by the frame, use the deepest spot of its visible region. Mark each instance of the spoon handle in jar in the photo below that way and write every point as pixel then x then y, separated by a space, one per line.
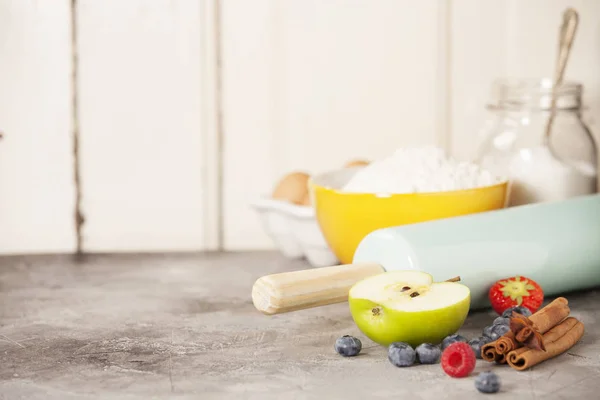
pixel 565 43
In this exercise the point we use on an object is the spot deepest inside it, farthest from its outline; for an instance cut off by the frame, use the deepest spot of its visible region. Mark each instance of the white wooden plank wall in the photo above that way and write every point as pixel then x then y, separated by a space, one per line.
pixel 140 114
pixel 36 191
pixel 142 125
pixel 305 84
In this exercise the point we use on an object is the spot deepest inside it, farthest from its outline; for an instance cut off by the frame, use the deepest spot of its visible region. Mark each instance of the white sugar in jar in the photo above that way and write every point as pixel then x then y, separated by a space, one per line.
pixel 513 142
pixel 537 176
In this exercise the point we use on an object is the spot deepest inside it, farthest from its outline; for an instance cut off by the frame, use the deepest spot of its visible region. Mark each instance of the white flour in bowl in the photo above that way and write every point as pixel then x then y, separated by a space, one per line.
pixel 418 170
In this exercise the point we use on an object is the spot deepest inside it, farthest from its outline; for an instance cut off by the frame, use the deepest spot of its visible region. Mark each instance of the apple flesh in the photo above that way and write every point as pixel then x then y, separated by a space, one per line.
pixel 407 306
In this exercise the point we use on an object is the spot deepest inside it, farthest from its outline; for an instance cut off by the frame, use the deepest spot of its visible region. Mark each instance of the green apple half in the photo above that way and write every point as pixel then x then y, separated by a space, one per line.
pixel 407 306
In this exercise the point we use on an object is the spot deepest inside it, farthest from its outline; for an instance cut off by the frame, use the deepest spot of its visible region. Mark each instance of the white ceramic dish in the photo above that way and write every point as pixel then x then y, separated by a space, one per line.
pixel 295 231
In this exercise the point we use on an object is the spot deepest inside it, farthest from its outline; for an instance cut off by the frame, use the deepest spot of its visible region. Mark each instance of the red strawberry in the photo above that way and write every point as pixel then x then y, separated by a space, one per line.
pixel 516 291
pixel 458 360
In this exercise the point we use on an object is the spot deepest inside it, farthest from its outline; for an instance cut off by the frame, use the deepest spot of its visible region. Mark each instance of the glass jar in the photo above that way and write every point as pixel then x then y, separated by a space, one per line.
pixel 513 143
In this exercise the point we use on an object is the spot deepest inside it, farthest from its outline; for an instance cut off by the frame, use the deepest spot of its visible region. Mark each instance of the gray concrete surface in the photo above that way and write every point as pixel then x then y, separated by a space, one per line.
pixel 183 327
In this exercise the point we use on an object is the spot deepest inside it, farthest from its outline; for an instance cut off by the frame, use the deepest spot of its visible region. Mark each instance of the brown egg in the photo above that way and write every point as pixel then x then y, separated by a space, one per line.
pixel 293 187
pixel 356 163
pixel 306 199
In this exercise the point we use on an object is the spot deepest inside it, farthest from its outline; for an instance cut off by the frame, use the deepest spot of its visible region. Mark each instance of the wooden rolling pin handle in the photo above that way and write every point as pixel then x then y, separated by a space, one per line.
pixel 298 290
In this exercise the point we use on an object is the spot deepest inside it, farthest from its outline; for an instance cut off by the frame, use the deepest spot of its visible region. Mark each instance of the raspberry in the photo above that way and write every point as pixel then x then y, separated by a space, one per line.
pixel 458 360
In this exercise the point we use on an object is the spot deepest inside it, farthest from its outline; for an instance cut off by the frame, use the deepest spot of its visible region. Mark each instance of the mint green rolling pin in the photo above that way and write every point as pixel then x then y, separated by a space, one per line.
pixel 556 244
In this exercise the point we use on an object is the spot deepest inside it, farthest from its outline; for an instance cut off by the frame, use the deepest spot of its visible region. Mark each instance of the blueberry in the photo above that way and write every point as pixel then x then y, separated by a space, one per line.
pixel 476 345
pixel 401 354
pixel 501 321
pixel 428 353
pixel 348 346
pixel 452 339
pixel 500 329
pixel 485 340
pixel 519 309
pixel 487 382
pixel 487 331
pixel 508 312
pixel 524 311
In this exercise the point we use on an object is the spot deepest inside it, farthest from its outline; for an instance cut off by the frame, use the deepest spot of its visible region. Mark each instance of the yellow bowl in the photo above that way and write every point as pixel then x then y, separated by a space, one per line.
pixel 346 218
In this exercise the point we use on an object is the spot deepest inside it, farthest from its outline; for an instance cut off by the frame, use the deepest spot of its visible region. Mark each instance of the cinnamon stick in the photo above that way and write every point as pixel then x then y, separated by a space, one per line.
pixel 549 316
pixel 506 343
pixel 490 354
pixel 543 320
pixel 553 335
pixel 557 340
